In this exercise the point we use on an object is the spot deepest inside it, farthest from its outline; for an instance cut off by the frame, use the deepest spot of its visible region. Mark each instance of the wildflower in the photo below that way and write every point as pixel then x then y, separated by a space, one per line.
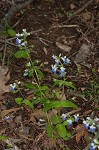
pixel 76 117
pixel 88 118
pixel 26 72
pixel 54 68
pixel 25 33
pixel 62 69
pixel 23 44
pixel 92 128
pixel 68 61
pixel 18 35
pixel 93 146
pixel 64 59
pixel 54 57
pixel 63 116
pixel 6 118
pixel 69 122
pixel 28 64
pixel 57 60
pixel 62 72
pixel 86 124
pixel 12 86
pixel 18 41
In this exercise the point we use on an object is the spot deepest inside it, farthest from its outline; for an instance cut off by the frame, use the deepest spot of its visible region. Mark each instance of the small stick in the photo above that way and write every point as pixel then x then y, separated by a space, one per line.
pixel 4 54
pixel 64 26
pixel 83 7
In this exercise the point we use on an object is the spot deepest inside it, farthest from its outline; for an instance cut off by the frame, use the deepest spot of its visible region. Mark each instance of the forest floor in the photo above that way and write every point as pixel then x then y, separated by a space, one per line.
pixel 54 30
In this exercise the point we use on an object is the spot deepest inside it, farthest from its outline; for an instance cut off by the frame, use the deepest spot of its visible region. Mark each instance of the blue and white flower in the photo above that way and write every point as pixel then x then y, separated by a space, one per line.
pixel 62 72
pixel 63 116
pixel 54 68
pixel 56 59
pixel 92 129
pixel 86 124
pixel 13 86
pixel 76 117
pixel 92 146
pixel 69 121
pixel 64 59
pixel 18 41
pixel 62 69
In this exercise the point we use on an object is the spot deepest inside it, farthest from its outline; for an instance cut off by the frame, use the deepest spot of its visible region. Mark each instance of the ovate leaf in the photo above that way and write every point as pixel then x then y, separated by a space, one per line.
pixel 61 129
pixel 22 54
pixel 28 103
pixel 49 130
pixel 55 119
pixel 19 100
pixel 57 104
pixel 11 32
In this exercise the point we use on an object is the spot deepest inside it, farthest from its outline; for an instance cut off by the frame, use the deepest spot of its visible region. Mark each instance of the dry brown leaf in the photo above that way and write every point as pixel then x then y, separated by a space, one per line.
pixel 4 77
pixel 38 113
pixel 5 112
pixel 45 50
pixel 72 6
pixel 2 131
pixel 63 47
pixel 81 132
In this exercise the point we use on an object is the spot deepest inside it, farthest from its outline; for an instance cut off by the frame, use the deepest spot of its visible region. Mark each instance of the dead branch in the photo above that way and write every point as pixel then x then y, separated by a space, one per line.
pixel 12 11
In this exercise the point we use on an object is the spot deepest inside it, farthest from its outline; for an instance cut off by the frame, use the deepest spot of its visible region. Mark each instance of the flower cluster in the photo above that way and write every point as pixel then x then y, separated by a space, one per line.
pixel 59 66
pixel 21 38
pixel 90 124
pixel 70 121
pixel 27 71
pixel 94 144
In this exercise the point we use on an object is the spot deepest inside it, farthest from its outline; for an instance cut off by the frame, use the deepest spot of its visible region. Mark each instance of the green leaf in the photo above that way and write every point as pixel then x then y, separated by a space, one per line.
pixel 69 84
pixel 66 83
pixel 3 137
pixel 44 88
pixel 30 86
pixel 28 103
pixel 61 130
pixel 19 100
pixel 55 119
pixel 22 54
pixel 39 72
pixel 57 104
pixel 68 134
pixel 49 130
pixel 11 32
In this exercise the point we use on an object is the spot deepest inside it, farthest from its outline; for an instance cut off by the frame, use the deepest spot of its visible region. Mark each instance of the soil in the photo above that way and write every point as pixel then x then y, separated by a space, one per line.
pixel 50 20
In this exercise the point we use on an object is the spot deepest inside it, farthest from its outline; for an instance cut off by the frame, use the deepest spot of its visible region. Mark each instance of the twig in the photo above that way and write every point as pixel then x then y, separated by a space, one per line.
pixel 73 112
pixel 64 26
pixel 83 7
pixel 4 54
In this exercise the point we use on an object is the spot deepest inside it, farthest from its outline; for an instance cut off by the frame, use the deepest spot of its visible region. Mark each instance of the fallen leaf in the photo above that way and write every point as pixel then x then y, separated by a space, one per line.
pixel 81 132
pixel 4 78
pixel 63 47
pixel 82 54
pixel 45 50
pixel 5 112
pixel 2 131
pixel 86 16
pixel 72 6
pixel 38 113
